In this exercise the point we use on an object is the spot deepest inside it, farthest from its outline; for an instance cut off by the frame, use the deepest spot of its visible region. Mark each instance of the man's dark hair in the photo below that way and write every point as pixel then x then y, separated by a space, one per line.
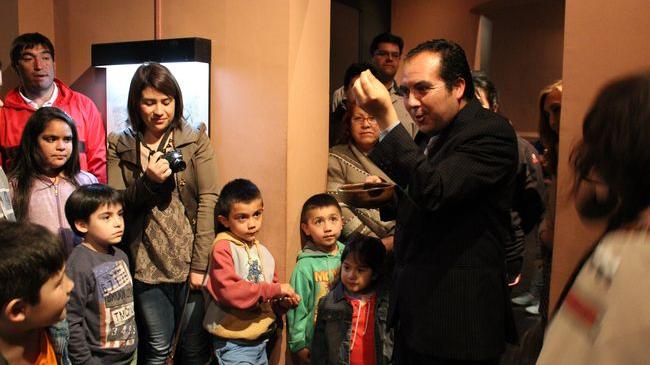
pixel 355 70
pixel 157 76
pixel 28 41
pixel 614 146
pixel 386 38
pixel 31 255
pixel 481 81
pixel 367 251
pixel 236 191
pixel 453 66
pixel 318 201
pixel 86 200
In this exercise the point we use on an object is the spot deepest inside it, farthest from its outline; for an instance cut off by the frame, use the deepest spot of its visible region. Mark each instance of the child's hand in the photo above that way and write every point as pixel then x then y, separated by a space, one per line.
pixel 196 280
pixel 304 355
pixel 287 290
pixel 292 300
pixel 295 299
pixel 158 168
pixel 288 298
pixel 288 302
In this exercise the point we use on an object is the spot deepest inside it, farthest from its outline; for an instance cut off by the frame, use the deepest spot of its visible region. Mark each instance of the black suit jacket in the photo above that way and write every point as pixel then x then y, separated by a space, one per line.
pixel 449 291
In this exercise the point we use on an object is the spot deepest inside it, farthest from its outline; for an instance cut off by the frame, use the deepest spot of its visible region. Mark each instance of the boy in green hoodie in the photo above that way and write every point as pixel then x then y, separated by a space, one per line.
pixel 317 267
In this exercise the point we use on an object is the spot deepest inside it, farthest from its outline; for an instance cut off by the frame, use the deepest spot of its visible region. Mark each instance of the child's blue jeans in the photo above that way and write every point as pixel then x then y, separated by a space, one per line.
pixel 233 352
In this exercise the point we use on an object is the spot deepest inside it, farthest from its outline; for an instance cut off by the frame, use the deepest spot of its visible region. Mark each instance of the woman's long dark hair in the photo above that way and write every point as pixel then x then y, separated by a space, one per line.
pixel 29 160
pixel 614 145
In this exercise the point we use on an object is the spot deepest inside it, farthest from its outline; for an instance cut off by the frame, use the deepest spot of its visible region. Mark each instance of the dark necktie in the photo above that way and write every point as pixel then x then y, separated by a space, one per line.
pixel 431 144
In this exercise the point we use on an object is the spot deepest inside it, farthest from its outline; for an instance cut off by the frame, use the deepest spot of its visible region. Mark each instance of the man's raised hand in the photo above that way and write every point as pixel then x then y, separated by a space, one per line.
pixel 373 97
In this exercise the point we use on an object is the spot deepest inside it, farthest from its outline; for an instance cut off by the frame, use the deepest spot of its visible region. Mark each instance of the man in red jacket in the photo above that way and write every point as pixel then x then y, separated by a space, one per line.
pixel 32 57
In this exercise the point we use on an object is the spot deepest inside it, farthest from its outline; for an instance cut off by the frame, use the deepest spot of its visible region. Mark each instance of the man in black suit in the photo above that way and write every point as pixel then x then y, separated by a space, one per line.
pixel 449 298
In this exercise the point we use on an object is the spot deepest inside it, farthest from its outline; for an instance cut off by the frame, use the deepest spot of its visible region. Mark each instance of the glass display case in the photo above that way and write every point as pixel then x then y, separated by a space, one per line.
pixel 187 58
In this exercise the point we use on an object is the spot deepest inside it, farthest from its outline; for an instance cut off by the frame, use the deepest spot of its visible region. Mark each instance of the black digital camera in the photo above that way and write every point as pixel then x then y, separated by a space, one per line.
pixel 175 159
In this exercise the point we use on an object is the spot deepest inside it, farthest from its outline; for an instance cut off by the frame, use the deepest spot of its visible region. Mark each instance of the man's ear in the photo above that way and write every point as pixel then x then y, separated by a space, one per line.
pixel 223 221
pixel 459 88
pixel 81 225
pixel 15 311
pixel 304 228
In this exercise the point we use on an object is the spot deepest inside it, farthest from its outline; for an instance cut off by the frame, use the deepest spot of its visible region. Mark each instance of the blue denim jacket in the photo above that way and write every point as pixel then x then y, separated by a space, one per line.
pixel 60 336
pixel 331 342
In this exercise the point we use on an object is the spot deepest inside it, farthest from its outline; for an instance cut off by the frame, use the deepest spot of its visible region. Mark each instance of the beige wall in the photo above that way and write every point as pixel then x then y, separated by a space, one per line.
pixel 602 40
pixel 36 16
pixel 526 55
pixel 8 30
pixel 249 96
pixel 526 37
pixel 309 34
pixel 78 24
pixel 417 21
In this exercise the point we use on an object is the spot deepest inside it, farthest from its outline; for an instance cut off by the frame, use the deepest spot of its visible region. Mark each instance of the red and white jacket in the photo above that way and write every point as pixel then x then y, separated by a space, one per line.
pixel 228 281
pixel 90 127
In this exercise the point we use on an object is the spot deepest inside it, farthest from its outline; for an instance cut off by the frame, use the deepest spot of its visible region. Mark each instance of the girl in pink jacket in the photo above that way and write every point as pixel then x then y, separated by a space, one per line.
pixel 46 171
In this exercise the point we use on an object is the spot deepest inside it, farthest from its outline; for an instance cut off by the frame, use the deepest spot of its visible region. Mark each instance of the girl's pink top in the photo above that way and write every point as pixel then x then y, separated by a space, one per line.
pixel 47 205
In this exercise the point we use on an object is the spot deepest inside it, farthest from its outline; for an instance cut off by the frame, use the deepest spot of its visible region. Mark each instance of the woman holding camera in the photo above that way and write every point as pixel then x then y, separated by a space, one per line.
pixel 166 169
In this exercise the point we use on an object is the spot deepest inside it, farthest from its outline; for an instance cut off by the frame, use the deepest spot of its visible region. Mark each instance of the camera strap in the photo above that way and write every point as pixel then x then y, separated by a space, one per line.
pixel 164 140
pixel 139 140
pixel 161 146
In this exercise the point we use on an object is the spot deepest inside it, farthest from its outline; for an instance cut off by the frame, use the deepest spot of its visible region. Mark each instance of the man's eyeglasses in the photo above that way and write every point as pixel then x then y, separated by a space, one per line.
pixel 361 119
pixel 385 54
